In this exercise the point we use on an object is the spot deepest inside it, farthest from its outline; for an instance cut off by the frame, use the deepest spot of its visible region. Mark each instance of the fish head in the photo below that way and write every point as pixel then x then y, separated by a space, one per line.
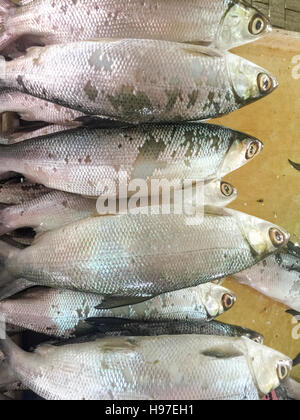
pixel 268 367
pixel 242 150
pixel 217 299
pixel 219 193
pixel 249 82
pixel 254 336
pixel 263 237
pixel 241 24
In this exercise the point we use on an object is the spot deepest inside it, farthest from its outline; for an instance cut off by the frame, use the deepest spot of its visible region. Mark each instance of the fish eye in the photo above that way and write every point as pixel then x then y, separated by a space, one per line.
pixel 265 83
pixel 277 237
pixel 258 340
pixel 226 189
pixel 282 371
pixel 228 301
pixel 252 150
pixel 257 24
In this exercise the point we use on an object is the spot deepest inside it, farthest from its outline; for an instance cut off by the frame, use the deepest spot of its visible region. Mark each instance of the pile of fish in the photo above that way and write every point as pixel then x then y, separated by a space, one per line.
pixel 127 302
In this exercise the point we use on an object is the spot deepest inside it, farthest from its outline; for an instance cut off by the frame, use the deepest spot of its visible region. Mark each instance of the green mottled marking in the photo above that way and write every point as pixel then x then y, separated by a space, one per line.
pixel 131 104
pixel 192 99
pixel 91 91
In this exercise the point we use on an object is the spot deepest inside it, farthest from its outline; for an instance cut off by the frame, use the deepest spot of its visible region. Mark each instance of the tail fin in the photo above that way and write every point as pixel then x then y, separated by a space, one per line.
pixel 6 8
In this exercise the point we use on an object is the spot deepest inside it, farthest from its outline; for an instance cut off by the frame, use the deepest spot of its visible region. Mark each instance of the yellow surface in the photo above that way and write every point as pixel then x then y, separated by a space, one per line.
pixel 275 120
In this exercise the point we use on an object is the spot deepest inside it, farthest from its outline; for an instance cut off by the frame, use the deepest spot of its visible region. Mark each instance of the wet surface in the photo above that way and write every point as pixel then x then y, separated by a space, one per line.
pixel 269 187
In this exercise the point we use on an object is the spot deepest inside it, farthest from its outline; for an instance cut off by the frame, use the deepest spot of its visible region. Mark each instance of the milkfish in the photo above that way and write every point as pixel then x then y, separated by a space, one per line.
pixel 138 81
pixel 277 277
pixel 185 367
pixel 129 327
pixel 56 208
pixel 95 162
pixel 222 23
pixel 63 313
pixel 136 256
pixel 16 191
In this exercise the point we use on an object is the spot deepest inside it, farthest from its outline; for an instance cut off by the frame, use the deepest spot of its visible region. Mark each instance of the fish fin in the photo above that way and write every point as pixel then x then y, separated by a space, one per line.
pixel 294 313
pixel 110 302
pixel 294 165
pixel 104 325
pixel 4 226
pixel 222 352
pixel 96 121
pixel 7 251
pixel 44 349
pixel 13 287
pixel 6 37
pixel 296 361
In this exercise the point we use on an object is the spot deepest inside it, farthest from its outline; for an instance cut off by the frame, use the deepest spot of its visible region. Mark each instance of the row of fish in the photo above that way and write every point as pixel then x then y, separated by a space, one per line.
pixel 135 295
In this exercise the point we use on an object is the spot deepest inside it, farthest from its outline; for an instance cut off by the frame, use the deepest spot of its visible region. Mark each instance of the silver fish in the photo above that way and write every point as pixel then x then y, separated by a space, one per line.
pixel 139 81
pixel 143 255
pixel 30 108
pixel 50 211
pixel 163 368
pixel 56 209
pixel 129 327
pixel 93 162
pixel 223 23
pixel 277 277
pixel 16 192
pixel 62 313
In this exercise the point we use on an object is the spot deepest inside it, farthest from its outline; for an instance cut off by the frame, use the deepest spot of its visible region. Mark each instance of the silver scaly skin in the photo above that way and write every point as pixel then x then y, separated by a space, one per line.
pixel 174 367
pixel 139 81
pixel 56 209
pixel 30 108
pixel 16 192
pixel 277 277
pixel 143 255
pixel 48 212
pixel 91 162
pixel 62 313
pixel 222 23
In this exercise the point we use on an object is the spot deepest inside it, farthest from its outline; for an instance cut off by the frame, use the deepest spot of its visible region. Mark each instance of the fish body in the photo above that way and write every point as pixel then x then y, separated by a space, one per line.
pixel 93 162
pixel 144 255
pixel 20 136
pixel 129 327
pixel 15 192
pixel 48 212
pixel 223 23
pixel 56 209
pixel 277 277
pixel 138 81
pixel 30 108
pixel 156 368
pixel 62 313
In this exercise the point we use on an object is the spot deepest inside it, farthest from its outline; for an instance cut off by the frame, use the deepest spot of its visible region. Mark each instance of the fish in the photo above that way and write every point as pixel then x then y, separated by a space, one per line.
pixel 63 313
pixel 185 367
pixel 56 209
pixel 30 108
pixel 224 24
pixel 129 327
pixel 93 162
pixel 48 212
pixel 15 191
pixel 138 81
pixel 277 277
pixel 134 256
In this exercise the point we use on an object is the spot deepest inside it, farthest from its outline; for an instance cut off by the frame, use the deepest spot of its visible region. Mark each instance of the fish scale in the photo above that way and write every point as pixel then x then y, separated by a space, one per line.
pixel 165 367
pixel 91 162
pixel 56 21
pixel 137 80
pixel 143 254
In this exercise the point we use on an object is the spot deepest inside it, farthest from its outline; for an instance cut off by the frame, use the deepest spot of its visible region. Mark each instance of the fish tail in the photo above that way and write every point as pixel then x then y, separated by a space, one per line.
pixel 6 37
